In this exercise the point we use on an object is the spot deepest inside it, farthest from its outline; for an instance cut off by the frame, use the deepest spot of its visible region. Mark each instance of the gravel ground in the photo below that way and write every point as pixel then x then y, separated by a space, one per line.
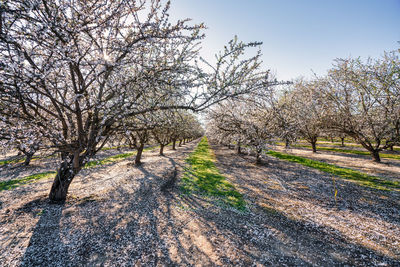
pixel 120 215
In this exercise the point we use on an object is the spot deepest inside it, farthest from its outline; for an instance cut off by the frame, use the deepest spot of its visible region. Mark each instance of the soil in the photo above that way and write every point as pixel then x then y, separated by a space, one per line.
pixel 121 215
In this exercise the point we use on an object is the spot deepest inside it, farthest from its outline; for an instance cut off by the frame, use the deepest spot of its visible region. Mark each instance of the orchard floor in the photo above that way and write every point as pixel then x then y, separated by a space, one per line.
pixel 120 215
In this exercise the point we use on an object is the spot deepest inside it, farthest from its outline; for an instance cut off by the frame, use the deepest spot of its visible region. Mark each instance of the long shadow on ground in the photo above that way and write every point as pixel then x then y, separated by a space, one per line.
pixel 287 184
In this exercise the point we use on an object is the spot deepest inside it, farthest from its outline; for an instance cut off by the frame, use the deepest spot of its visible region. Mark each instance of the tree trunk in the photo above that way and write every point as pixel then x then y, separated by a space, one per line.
pixel 28 158
pixel 161 150
pixel 258 158
pixel 180 143
pixel 342 139
pixel 239 149
pixel 375 155
pixel 184 141
pixel 314 146
pixel 332 141
pixel 174 145
pixel 139 155
pixel 61 182
pixel 391 148
pixel 287 143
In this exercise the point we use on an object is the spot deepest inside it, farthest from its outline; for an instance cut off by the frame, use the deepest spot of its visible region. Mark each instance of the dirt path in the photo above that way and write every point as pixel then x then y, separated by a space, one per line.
pixel 389 168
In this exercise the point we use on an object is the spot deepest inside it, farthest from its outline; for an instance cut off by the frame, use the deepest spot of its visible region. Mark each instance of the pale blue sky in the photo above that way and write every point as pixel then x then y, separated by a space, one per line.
pixel 298 35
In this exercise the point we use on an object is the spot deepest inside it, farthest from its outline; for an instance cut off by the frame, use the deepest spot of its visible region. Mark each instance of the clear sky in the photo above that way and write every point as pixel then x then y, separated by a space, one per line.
pixel 298 35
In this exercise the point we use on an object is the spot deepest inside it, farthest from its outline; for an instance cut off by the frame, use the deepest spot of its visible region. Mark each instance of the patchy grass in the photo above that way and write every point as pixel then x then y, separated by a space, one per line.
pixel 109 160
pixel 352 145
pixel 17 160
pixel 11 184
pixel 22 159
pixel 348 174
pixel 202 176
pixel 4 162
pixel 356 152
pixel 348 151
pixel 335 139
pixel 113 147
pixel 114 158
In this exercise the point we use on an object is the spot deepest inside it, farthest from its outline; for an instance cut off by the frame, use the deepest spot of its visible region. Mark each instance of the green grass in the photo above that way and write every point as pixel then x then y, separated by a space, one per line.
pixel 113 147
pixel 202 176
pixel 4 162
pixel 11 184
pixel 348 151
pixel 345 173
pixel 18 160
pixel 109 160
pixel 352 145
pixel 335 139
pixel 115 158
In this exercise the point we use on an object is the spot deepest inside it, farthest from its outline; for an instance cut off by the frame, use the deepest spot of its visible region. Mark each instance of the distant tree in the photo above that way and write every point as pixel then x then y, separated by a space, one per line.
pixel 244 123
pixel 283 119
pixel 366 101
pixel 14 135
pixel 307 110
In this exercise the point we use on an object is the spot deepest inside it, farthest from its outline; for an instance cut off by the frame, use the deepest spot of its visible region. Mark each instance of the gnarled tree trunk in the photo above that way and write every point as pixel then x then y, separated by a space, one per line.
pixel 314 146
pixel 28 158
pixel 375 155
pixel 139 154
pixel 65 174
pixel 28 153
pixel 161 150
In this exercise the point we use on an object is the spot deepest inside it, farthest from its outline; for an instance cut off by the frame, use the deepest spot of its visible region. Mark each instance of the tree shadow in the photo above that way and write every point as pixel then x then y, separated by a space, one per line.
pixel 268 237
pixel 299 183
pixel 46 241
pixel 132 224
pixel 350 195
